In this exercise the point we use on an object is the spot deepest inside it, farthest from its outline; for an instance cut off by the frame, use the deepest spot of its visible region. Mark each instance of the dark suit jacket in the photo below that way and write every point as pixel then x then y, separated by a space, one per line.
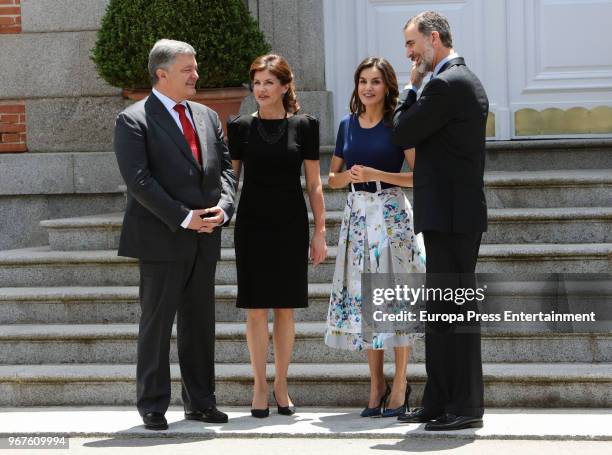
pixel 164 181
pixel 447 126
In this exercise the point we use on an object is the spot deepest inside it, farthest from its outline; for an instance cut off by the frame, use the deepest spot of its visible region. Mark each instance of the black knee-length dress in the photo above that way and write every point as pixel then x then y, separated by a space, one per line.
pixel 271 234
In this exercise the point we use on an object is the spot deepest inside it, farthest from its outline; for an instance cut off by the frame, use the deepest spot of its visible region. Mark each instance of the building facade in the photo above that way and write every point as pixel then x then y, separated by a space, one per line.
pixel 546 65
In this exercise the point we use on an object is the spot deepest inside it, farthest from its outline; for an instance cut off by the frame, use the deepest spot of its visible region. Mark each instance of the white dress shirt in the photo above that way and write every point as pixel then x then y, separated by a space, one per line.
pixel 169 104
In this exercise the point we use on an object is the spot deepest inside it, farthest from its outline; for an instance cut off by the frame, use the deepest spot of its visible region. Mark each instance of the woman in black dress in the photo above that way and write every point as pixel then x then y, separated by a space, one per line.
pixel 271 236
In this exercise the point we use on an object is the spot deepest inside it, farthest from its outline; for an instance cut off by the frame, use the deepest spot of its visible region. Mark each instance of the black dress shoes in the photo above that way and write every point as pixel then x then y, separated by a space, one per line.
pixel 418 415
pixel 210 415
pixel 449 422
pixel 155 421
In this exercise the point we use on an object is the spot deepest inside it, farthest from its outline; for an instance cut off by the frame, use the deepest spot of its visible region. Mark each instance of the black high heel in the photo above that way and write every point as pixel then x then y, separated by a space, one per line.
pixel 377 411
pixel 401 409
pixel 284 410
pixel 260 413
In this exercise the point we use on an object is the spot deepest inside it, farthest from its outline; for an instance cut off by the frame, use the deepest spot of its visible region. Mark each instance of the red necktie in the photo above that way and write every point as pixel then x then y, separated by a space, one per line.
pixel 189 132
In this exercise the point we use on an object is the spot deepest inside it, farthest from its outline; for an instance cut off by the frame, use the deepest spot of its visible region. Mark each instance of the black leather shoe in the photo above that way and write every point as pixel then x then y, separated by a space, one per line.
pixel 449 422
pixel 416 416
pixel 210 415
pixel 155 421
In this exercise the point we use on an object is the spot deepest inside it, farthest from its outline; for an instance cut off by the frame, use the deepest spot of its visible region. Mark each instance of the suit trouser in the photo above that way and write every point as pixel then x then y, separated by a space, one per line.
pixel 453 353
pixel 187 290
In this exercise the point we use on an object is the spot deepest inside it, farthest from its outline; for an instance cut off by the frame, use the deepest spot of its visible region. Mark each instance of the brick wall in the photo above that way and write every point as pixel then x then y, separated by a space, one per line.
pixel 12 113
pixel 12 126
pixel 10 16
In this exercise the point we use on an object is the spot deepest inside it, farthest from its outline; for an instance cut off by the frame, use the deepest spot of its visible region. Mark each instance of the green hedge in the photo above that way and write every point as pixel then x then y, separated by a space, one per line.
pixel 223 33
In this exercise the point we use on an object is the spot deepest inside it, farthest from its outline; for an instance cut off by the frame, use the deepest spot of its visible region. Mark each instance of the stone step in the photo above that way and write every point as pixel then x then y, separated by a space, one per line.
pixel 69 305
pixel 538 189
pixel 116 343
pixel 549 225
pixel 526 225
pixel 525 189
pixel 532 155
pixel 97 232
pixel 542 385
pixel 120 304
pixel 40 266
pixel 541 155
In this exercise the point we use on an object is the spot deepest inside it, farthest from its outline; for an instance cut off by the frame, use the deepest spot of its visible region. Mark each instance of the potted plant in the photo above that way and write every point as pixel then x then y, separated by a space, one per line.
pixel 223 33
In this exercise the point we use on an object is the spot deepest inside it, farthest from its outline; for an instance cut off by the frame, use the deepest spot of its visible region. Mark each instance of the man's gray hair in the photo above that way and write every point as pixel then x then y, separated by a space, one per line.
pixel 431 21
pixel 164 53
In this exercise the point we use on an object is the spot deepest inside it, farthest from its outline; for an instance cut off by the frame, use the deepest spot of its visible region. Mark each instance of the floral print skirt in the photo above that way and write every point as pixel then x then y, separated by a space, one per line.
pixel 376 236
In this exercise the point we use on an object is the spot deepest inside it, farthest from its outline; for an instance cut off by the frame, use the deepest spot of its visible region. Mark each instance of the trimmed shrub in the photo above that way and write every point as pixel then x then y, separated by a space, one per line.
pixel 223 33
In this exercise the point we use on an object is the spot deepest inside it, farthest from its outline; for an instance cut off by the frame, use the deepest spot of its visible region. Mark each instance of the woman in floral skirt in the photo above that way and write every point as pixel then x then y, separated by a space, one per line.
pixel 377 233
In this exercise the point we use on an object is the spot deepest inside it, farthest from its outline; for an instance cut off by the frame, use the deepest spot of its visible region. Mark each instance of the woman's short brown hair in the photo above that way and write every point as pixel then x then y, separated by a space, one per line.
pixel 392 95
pixel 278 66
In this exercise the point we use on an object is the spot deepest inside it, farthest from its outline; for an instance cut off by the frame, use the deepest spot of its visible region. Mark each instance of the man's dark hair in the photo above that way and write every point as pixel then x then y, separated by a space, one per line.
pixel 431 21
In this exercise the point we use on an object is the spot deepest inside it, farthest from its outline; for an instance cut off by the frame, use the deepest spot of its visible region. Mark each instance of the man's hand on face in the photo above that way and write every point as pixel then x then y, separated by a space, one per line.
pixel 416 77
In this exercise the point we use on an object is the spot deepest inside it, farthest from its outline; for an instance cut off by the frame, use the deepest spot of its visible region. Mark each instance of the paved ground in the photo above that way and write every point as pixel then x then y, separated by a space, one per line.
pixel 119 430
pixel 302 446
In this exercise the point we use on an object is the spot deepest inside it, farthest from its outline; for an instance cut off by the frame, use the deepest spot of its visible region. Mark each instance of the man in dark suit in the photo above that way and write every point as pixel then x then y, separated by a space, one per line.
pixel 181 189
pixel 447 126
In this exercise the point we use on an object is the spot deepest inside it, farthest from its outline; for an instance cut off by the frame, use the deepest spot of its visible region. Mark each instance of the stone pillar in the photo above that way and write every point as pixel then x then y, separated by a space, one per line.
pixel 49 88
pixel 294 28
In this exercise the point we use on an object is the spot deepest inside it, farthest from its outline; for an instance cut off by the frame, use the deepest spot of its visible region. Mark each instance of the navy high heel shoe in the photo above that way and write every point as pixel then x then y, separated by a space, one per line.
pixel 377 411
pixel 401 409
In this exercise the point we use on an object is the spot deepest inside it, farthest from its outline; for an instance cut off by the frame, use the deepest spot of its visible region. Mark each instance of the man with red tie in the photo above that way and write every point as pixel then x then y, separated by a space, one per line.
pixel 181 190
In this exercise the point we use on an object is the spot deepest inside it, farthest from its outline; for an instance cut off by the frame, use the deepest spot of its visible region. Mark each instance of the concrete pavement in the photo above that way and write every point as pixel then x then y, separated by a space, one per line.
pixel 325 423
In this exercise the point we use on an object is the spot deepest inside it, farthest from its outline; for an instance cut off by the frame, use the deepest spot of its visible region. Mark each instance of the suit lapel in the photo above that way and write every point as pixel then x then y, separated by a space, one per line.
pixel 202 132
pixel 426 84
pixel 167 123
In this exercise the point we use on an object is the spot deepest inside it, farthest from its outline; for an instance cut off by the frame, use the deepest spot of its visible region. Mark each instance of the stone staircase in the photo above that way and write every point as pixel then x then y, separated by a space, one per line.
pixel 69 310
